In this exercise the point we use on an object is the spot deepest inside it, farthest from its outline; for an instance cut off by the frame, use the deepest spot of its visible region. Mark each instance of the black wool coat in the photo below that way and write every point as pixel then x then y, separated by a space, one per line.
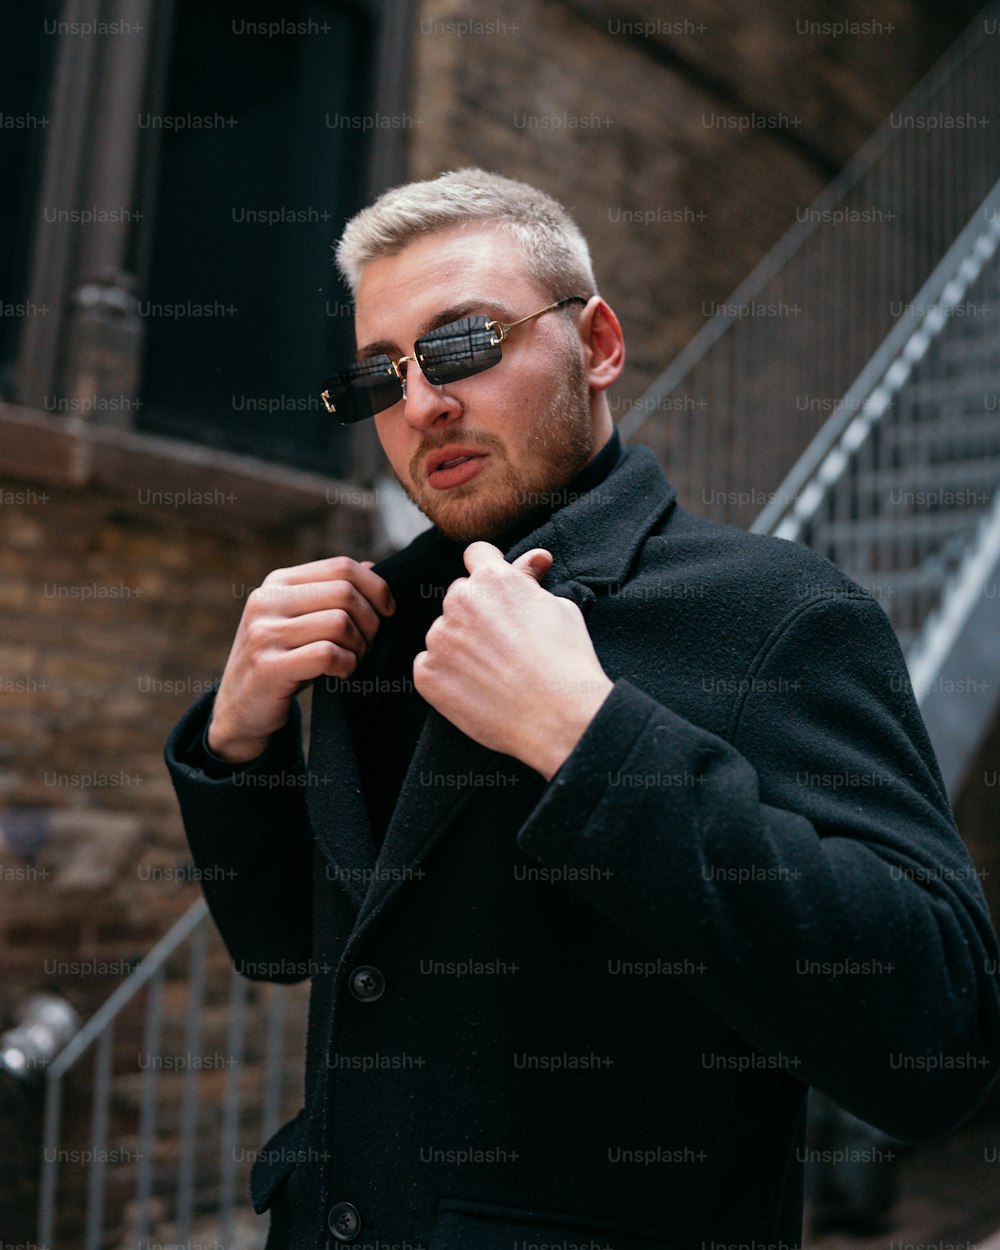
pixel 586 1012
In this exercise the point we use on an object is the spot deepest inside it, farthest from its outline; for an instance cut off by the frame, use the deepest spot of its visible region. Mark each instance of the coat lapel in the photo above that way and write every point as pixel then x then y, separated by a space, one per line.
pixel 437 786
pixel 593 541
pixel 337 809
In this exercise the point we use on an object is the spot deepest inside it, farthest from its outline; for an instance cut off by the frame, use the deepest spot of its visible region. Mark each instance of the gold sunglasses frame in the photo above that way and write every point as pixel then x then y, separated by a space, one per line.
pixel 502 329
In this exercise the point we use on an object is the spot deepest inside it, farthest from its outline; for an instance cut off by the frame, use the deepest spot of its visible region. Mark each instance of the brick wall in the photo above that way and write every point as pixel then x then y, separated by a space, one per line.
pixel 124 566
pixel 125 561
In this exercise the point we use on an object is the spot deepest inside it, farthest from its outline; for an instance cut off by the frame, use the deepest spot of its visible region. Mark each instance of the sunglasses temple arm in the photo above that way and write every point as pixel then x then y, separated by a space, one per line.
pixel 503 328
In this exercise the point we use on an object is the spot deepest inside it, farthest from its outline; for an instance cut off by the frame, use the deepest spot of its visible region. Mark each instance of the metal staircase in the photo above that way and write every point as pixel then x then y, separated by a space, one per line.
pixel 899 488
pixel 154 1111
pixel 847 395
pixel 736 409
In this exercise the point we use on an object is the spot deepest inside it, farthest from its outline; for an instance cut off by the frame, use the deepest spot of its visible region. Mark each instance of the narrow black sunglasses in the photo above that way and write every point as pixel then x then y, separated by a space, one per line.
pixel 453 351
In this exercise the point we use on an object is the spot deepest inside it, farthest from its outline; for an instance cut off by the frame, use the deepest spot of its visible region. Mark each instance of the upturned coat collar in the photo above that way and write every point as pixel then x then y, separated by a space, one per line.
pixel 593 540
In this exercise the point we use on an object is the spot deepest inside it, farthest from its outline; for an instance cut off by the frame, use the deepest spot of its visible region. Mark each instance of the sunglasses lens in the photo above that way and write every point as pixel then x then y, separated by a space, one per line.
pixel 457 350
pixel 362 389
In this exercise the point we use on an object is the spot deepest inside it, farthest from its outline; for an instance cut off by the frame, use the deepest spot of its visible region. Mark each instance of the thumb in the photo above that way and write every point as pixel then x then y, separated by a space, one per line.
pixel 536 563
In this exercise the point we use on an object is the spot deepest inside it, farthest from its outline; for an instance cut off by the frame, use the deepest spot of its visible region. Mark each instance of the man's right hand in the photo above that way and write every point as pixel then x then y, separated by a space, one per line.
pixel 313 620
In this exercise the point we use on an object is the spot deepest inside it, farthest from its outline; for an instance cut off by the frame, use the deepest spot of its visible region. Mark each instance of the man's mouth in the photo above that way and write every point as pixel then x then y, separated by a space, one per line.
pixel 453 466
pixel 449 457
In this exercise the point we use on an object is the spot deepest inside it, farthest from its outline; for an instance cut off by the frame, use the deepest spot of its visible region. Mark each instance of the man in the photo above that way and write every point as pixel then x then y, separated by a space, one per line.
pixel 619 828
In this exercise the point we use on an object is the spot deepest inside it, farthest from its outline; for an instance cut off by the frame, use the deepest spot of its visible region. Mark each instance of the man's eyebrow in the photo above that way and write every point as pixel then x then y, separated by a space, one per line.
pixel 487 305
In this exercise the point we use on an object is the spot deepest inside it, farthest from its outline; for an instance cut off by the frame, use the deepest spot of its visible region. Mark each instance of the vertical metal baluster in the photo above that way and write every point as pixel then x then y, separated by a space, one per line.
pixel 98 1140
pixel 274 1069
pixel 733 427
pixel 147 1110
pixel 762 398
pixel 189 1099
pixel 718 374
pixel 915 475
pixel 238 986
pixel 50 1161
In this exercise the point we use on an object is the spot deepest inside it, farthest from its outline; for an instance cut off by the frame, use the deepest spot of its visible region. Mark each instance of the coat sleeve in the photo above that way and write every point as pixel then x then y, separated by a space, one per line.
pixel 809 863
pixel 251 843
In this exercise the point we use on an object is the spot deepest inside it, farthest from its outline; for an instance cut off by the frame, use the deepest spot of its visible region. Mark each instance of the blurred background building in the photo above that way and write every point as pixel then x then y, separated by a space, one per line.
pixel 792 208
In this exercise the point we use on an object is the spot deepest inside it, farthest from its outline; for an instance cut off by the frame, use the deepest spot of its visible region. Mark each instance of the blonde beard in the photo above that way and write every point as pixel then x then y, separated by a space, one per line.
pixel 560 444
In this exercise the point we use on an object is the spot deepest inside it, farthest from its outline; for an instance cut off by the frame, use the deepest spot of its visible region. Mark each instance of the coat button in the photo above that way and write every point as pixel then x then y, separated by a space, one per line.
pixel 344 1221
pixel 367 983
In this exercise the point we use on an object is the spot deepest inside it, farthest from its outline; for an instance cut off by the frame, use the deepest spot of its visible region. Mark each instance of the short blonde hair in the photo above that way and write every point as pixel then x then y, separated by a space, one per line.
pixel 555 251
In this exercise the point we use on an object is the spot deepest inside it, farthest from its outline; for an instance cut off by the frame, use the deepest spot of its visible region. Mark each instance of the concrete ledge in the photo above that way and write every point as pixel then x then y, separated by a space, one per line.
pixel 182 479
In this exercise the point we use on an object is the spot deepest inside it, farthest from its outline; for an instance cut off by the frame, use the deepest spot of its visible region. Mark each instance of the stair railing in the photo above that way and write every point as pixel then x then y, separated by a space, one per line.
pixel 172 1188
pixel 740 403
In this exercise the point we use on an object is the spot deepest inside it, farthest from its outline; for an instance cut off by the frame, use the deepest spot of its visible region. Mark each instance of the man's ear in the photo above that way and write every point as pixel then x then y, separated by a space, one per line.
pixel 603 342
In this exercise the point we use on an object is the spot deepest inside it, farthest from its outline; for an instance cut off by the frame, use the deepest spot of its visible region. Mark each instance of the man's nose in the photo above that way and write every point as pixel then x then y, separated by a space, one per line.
pixel 425 403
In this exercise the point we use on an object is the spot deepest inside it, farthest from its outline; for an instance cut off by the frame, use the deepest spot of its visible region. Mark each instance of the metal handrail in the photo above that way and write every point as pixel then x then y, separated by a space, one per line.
pixel 865 401
pixel 832 195
pixel 918 419
pixel 123 994
pixel 98 1028
pixel 194 929
pixel 726 412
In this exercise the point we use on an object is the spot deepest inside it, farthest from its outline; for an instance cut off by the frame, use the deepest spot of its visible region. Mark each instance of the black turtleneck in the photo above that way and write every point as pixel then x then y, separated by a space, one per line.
pixel 385 730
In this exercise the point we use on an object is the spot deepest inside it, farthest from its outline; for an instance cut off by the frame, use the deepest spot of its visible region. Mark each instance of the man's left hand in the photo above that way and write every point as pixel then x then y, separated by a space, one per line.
pixel 510 664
